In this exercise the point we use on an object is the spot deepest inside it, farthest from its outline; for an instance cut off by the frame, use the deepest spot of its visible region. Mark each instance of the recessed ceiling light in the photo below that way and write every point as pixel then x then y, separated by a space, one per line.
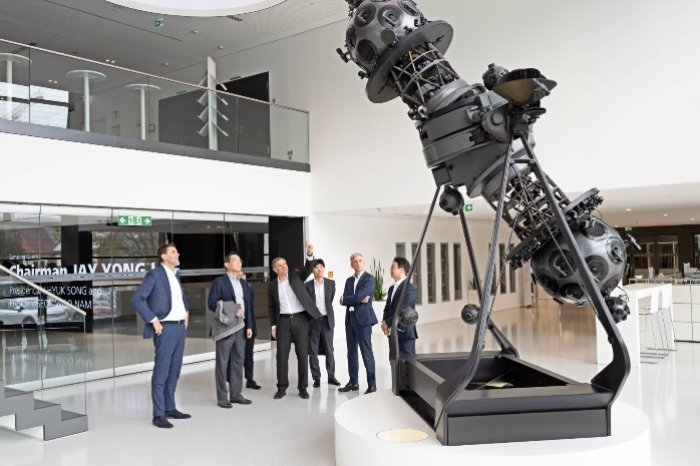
pixel 617 226
pixel 207 8
pixel 220 47
pixel 166 64
pixel 194 32
pixel 628 210
pixel 692 219
pixel 665 215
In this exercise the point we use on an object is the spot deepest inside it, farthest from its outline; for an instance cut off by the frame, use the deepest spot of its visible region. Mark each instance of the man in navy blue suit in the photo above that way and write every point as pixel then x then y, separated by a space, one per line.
pixel 407 336
pixel 359 319
pixel 161 303
pixel 230 351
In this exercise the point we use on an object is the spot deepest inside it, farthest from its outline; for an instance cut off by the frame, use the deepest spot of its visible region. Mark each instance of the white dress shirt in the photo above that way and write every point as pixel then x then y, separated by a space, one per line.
pixel 178 311
pixel 396 287
pixel 238 291
pixel 321 297
pixel 289 303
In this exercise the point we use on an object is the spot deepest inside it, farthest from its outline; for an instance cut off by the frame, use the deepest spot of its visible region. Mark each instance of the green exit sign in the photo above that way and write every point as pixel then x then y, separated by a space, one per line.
pixel 468 207
pixel 134 221
pixel 628 228
pixel 159 22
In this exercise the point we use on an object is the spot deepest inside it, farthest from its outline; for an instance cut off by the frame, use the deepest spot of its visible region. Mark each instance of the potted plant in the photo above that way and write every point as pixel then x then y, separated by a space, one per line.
pixel 472 295
pixel 378 272
pixel 379 294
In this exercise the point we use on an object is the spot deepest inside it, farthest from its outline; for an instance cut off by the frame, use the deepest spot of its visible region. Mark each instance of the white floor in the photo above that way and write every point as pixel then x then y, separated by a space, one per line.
pixel 293 431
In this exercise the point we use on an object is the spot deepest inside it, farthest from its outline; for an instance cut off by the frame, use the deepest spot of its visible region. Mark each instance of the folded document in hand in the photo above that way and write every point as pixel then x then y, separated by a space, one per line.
pixel 225 322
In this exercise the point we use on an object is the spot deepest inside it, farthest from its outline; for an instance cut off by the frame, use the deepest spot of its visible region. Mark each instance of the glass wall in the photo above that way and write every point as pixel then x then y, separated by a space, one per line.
pixel 96 258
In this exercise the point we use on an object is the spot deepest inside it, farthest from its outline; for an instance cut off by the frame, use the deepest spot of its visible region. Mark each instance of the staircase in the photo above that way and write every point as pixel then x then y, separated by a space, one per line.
pixel 30 413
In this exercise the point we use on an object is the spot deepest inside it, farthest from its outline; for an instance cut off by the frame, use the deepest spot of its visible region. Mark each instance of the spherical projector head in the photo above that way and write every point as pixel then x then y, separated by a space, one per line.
pixel 604 252
pixel 398 49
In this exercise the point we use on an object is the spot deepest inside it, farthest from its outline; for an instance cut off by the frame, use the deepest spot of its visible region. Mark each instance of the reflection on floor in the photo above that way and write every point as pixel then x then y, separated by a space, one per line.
pixel 293 431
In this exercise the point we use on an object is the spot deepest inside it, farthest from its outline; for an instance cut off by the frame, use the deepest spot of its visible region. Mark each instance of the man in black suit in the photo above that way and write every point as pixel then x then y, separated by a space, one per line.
pixel 359 319
pixel 322 290
pixel 407 336
pixel 249 359
pixel 290 308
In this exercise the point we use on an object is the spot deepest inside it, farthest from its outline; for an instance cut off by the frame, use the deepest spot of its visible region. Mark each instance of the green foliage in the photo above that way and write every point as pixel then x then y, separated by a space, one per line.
pixel 473 284
pixel 378 272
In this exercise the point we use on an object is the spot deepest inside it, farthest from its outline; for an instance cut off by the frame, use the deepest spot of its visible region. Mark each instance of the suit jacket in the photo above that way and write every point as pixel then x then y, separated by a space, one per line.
pixel 363 311
pixel 222 290
pixel 329 293
pixel 296 282
pixel 392 302
pixel 153 298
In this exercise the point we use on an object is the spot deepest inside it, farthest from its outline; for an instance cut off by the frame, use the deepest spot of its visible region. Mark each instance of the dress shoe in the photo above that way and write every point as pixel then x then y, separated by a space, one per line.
pixel 304 394
pixel 224 404
pixel 349 388
pixel 317 383
pixel 333 381
pixel 252 384
pixel 162 423
pixel 175 414
pixel 280 394
pixel 240 400
pixel 371 389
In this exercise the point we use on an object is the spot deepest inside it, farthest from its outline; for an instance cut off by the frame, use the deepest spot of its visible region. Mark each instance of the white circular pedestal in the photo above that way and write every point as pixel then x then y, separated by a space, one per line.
pixel 357 423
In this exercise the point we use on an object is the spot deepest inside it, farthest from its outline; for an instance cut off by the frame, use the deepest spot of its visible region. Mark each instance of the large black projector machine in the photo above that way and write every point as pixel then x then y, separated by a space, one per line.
pixel 479 137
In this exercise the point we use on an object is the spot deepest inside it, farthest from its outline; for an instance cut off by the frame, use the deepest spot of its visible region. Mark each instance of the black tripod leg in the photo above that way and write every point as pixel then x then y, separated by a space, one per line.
pixel 614 375
pixel 448 390
pixel 501 339
pixel 394 337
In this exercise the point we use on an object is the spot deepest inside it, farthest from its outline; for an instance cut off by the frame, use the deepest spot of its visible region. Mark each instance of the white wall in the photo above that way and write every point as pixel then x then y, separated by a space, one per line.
pixel 336 237
pixel 37 170
pixel 623 114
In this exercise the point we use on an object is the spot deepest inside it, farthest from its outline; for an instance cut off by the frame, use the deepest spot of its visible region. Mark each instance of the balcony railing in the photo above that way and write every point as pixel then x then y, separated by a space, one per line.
pixel 43 87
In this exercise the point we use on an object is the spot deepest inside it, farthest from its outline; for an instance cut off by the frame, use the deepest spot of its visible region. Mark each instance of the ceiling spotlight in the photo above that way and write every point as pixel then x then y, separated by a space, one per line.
pixel 194 32
pixel 220 47
pixel 166 64
pixel 617 226
pixel 628 210
pixel 665 215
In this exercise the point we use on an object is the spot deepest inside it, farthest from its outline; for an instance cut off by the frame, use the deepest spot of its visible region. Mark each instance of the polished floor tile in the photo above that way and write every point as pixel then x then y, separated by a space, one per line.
pixel 292 431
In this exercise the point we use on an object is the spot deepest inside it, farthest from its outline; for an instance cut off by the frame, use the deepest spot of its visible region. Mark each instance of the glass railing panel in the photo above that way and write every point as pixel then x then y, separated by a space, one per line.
pixel 254 126
pixel 289 134
pixel 23 334
pixel 81 246
pixel 43 345
pixel 174 111
pixel 14 91
pixel 58 90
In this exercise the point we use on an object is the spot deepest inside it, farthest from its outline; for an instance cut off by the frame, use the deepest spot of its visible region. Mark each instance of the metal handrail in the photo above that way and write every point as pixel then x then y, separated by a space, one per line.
pixel 41 290
pixel 150 75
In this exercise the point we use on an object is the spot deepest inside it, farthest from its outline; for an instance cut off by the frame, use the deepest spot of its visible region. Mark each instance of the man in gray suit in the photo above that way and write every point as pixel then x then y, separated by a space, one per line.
pixel 322 290
pixel 231 340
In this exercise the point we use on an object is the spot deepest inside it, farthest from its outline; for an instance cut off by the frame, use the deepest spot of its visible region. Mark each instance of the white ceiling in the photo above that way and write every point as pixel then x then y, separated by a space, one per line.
pixel 648 206
pixel 100 30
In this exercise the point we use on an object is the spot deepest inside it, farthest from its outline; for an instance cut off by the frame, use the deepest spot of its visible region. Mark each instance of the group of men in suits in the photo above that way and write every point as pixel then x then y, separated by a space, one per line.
pixel 300 314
